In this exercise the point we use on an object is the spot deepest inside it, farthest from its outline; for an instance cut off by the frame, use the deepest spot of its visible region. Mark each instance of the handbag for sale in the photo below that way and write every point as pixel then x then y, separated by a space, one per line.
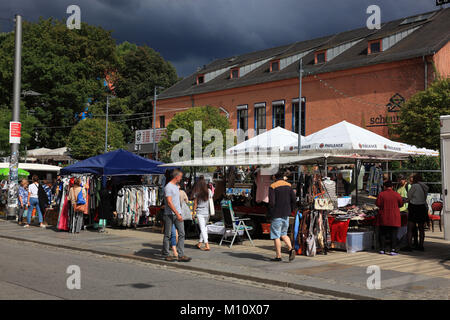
pixel 323 204
pixel 311 245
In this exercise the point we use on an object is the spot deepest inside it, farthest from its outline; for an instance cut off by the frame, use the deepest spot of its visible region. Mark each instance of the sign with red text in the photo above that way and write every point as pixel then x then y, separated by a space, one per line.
pixel 14 131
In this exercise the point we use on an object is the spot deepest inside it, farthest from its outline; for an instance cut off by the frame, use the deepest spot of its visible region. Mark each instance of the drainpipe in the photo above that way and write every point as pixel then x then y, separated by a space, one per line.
pixel 426 72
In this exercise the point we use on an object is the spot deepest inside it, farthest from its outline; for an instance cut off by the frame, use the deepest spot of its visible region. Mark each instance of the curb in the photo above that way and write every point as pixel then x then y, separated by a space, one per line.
pixel 279 283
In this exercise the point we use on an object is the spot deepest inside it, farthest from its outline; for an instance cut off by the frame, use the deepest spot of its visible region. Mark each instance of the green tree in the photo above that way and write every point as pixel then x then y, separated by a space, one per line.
pixel 65 66
pixel 419 117
pixel 140 70
pixel 210 117
pixel 28 122
pixel 87 138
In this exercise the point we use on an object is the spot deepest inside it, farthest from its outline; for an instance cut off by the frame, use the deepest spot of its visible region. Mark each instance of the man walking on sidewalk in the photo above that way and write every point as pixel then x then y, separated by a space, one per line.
pixel 281 204
pixel 172 216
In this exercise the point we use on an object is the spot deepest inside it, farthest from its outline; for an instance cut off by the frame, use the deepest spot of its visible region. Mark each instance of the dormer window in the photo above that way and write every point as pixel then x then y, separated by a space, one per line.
pixel 275 66
pixel 234 73
pixel 320 57
pixel 374 46
pixel 200 79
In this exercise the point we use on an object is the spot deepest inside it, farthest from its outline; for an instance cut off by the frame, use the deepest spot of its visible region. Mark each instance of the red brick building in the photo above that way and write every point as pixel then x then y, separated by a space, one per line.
pixel 361 76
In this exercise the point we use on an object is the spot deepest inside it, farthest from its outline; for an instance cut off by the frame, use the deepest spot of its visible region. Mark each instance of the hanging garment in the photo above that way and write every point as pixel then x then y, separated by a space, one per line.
pixel 263 183
pixel 64 214
pixel 375 181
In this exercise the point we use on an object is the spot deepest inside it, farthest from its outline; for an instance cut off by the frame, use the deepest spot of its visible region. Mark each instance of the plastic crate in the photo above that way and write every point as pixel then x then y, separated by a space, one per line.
pixel 359 241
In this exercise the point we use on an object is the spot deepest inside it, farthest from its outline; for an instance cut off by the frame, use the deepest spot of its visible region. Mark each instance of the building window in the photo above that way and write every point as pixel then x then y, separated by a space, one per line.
pixel 234 73
pixel 260 118
pixel 278 114
pixel 295 115
pixel 242 117
pixel 162 121
pixel 200 79
pixel 320 57
pixel 275 66
pixel 374 46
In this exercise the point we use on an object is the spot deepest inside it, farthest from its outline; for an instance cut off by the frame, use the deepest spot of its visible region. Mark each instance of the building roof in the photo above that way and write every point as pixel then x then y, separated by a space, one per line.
pixel 410 37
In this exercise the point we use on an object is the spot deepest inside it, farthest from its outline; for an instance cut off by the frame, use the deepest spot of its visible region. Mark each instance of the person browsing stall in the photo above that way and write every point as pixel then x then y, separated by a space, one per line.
pixel 281 203
pixel 389 203
pixel 172 216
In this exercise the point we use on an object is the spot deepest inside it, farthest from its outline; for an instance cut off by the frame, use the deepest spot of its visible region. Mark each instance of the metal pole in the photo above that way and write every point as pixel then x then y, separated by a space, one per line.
pixel 300 74
pixel 13 187
pixel 356 181
pixel 154 125
pixel 106 126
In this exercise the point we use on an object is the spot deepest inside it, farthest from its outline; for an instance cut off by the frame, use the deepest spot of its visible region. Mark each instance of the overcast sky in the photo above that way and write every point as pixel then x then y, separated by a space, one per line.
pixel 191 33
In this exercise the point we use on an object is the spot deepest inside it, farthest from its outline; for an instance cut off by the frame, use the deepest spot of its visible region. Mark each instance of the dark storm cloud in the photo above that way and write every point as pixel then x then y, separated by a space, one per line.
pixel 191 33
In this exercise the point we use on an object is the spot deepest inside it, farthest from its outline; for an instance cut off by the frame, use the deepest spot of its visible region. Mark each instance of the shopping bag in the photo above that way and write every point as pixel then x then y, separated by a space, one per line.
pixel 212 210
pixel 186 213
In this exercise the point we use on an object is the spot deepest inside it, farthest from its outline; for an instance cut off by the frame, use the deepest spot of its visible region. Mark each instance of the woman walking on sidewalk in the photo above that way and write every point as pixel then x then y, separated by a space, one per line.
pixel 201 206
pixel 33 202
pixel 23 200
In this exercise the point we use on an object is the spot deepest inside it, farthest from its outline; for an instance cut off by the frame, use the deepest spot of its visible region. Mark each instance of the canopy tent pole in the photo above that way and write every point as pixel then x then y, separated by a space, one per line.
pixel 225 181
pixel 326 167
pixel 356 181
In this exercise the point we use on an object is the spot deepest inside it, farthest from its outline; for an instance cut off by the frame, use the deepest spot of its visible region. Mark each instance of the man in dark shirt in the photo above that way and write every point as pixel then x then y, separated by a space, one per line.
pixel 281 203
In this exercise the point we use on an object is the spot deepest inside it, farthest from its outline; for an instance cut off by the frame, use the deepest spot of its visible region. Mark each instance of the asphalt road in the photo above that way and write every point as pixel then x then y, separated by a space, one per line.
pixel 31 271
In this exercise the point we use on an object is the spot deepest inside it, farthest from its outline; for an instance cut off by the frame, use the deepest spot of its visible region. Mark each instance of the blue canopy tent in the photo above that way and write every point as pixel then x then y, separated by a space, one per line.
pixel 115 163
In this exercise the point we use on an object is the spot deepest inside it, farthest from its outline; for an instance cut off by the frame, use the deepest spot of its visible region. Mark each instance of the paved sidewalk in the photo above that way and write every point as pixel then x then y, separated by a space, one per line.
pixel 417 275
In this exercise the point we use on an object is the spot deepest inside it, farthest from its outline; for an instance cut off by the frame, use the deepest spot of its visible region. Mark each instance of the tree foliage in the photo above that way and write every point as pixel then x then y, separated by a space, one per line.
pixel 210 118
pixel 140 70
pixel 28 122
pixel 67 67
pixel 87 138
pixel 419 117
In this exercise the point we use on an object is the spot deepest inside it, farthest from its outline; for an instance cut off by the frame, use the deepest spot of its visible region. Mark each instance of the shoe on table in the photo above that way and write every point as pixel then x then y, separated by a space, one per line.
pixel 184 259
pixel 393 253
pixel 382 252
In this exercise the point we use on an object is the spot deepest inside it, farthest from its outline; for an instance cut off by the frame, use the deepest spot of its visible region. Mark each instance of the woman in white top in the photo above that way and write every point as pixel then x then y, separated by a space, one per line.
pixel 201 206
pixel 33 202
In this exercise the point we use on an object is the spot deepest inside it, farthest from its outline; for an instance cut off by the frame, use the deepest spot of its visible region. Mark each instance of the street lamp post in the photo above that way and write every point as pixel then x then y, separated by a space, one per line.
pixel 155 96
pixel 13 179
pixel 300 75
pixel 106 126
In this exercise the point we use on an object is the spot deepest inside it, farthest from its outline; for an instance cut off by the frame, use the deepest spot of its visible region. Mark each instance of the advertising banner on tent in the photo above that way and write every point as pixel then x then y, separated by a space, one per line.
pixel 14 131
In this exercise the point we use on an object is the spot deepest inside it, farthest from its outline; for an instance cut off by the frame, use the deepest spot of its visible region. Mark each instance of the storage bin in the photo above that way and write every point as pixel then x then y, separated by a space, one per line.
pixel 359 241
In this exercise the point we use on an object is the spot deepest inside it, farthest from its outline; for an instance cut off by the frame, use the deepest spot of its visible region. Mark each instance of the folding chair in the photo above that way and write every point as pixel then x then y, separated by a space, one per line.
pixel 233 224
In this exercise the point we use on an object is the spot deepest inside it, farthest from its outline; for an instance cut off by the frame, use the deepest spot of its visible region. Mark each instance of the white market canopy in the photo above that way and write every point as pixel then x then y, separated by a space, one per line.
pixel 33 167
pixel 38 152
pixel 60 154
pixel 243 160
pixel 274 140
pixel 347 138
